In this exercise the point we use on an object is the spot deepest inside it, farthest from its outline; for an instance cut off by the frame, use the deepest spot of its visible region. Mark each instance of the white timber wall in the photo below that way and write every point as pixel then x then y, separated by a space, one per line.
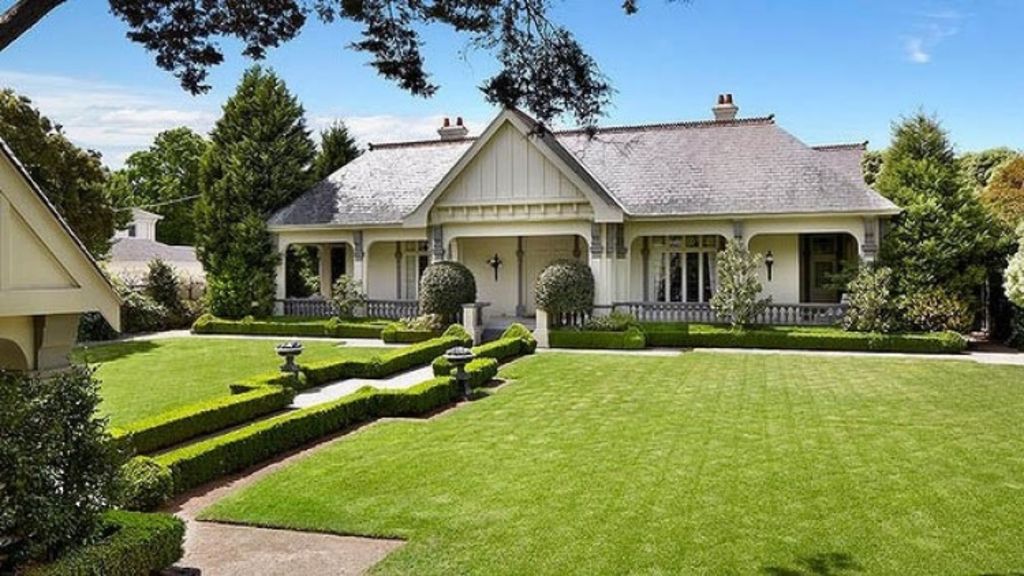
pixel 784 288
pixel 381 273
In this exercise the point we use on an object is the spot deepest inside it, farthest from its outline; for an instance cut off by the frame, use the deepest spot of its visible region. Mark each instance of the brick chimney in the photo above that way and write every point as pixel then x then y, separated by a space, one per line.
pixel 725 110
pixel 456 132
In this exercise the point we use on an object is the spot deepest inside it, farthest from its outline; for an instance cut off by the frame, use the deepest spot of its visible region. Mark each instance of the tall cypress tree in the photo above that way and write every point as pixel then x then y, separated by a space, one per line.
pixel 337 148
pixel 259 160
pixel 944 237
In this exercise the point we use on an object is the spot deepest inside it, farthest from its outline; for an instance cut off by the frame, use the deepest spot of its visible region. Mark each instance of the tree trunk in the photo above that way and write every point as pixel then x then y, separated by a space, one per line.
pixel 23 15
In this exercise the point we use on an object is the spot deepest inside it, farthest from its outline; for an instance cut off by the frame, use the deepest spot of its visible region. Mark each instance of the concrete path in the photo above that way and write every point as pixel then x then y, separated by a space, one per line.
pixel 336 390
pixel 360 342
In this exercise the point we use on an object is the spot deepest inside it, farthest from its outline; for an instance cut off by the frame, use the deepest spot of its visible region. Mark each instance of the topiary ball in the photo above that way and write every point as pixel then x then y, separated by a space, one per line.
pixel 445 287
pixel 565 287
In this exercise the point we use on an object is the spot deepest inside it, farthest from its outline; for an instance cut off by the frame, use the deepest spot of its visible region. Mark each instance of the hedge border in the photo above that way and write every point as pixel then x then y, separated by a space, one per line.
pixel 140 543
pixel 630 339
pixel 497 350
pixel 204 461
pixel 327 328
pixel 679 335
pixel 396 333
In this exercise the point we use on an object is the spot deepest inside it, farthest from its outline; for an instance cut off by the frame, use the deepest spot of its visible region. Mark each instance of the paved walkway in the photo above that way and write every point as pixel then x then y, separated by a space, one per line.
pixel 361 342
pixel 336 390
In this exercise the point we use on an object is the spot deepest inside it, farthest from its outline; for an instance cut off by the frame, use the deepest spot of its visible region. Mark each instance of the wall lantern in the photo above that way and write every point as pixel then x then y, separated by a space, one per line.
pixel 495 262
pixel 769 261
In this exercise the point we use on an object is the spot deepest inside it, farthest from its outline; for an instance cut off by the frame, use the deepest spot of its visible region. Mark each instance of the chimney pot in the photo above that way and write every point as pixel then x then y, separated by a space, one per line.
pixel 725 110
pixel 447 122
pixel 458 121
pixel 449 132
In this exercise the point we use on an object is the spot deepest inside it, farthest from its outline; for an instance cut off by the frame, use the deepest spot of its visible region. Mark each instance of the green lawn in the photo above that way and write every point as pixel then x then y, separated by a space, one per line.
pixel 147 377
pixel 698 464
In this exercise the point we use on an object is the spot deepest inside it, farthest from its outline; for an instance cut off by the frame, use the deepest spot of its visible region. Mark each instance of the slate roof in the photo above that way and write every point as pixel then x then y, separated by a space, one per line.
pixel 145 250
pixel 706 168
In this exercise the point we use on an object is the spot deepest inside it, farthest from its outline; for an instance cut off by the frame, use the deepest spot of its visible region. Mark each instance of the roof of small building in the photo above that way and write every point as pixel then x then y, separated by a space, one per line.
pixel 145 250
pixel 704 168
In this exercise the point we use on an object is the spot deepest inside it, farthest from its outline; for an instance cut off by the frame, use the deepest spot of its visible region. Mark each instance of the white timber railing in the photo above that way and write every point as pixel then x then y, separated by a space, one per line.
pixel 321 308
pixel 774 314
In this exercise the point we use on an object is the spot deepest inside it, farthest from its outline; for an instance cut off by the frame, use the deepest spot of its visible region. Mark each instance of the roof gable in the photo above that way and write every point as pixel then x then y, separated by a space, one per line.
pixel 44 269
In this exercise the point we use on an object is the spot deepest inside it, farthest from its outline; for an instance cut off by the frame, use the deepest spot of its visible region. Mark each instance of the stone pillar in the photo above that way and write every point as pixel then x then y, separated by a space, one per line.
pixel 520 279
pixel 55 336
pixel 598 264
pixel 436 237
pixel 869 248
pixel 737 229
pixel 540 333
pixel 280 278
pixel 472 321
pixel 358 260
pixel 326 272
pixel 645 254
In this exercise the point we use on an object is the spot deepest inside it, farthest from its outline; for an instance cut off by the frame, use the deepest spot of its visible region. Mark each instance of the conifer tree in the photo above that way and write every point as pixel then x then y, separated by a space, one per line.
pixel 259 161
pixel 337 148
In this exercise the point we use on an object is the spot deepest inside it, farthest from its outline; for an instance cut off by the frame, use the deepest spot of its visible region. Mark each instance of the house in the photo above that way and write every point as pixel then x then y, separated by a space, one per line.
pixel 47 277
pixel 648 206
pixel 135 246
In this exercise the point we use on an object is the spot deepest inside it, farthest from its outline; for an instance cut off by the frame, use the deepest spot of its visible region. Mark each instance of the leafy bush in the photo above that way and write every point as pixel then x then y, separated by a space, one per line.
pixel 347 295
pixel 1016 337
pixel 187 422
pixel 133 543
pixel 445 287
pixel 631 338
pixel 145 484
pixel 1013 282
pixel 934 310
pixel 459 332
pixel 58 465
pixel 565 287
pixel 517 330
pixel 140 313
pixel 614 322
pixel 399 333
pixel 871 307
pixel 677 335
pixel 92 327
pixel 290 326
pixel 737 298
pixel 163 287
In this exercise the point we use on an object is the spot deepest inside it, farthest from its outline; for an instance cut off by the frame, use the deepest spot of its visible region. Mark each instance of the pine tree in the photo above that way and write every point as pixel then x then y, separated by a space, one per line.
pixel 944 237
pixel 337 148
pixel 259 161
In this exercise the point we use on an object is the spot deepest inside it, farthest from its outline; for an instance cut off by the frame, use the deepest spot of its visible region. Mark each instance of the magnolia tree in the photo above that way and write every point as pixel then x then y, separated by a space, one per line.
pixel 738 296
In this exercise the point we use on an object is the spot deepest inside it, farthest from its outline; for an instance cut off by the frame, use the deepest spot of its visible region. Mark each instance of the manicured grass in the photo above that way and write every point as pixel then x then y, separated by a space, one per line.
pixel 698 464
pixel 144 378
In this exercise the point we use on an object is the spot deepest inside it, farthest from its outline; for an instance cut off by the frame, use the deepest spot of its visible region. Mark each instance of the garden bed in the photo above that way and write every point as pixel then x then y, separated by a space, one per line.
pixel 678 335
pixel 292 326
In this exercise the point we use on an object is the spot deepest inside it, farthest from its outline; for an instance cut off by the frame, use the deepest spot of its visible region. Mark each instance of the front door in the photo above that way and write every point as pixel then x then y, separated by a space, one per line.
pixel 822 256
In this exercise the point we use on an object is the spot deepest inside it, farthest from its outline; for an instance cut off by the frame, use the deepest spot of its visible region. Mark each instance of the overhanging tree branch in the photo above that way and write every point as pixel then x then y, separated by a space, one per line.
pixel 22 16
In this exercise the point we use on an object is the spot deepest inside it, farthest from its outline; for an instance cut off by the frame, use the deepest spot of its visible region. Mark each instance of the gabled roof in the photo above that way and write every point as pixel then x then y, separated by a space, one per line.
pixel 705 168
pixel 146 250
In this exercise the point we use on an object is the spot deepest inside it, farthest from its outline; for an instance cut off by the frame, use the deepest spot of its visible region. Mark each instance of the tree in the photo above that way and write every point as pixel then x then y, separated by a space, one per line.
pixel 1004 194
pixel 1014 274
pixel 337 148
pixel 944 236
pixel 73 179
pixel 871 165
pixel 541 65
pixel 979 167
pixel 164 179
pixel 258 161
pixel 738 297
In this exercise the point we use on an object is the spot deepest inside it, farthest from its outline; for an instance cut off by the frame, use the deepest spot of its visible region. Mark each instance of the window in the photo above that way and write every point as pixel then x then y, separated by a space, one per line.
pixel 131 231
pixel 683 268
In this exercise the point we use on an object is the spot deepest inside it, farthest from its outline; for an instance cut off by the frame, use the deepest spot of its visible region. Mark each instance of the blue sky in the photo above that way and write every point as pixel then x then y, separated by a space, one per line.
pixel 831 71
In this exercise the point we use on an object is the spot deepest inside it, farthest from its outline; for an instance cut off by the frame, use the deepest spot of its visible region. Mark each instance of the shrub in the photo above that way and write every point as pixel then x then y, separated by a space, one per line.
pixel 163 287
pixel 399 333
pixel 459 332
pixel 187 422
pixel 134 543
pixel 737 298
pixel 1013 282
pixel 631 338
pixel 499 350
pixel 92 327
pixel 333 327
pixel 517 330
pixel 445 287
pixel 347 295
pixel 58 465
pixel 565 287
pixel 614 322
pixel 935 310
pixel 870 300
pixel 1016 337
pixel 677 335
pixel 145 484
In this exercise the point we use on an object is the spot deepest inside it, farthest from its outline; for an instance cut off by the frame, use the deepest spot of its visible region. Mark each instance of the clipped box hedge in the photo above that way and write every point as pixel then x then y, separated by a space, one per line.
pixel 136 543
pixel 187 422
pixel 291 326
pixel 498 350
pixel 630 339
pixel 397 333
pixel 198 463
pixel 669 334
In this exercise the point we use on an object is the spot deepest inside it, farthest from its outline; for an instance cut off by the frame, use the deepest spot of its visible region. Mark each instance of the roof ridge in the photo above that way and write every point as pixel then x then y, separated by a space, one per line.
pixel 755 120
pixel 414 143
pixel 847 146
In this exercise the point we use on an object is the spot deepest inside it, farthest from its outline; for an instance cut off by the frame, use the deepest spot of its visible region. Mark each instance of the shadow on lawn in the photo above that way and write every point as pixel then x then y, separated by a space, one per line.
pixel 99 353
pixel 825 564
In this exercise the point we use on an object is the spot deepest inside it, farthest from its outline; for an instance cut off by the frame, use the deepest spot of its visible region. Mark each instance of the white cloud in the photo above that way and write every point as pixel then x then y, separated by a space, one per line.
pixel 915 51
pixel 932 29
pixel 383 128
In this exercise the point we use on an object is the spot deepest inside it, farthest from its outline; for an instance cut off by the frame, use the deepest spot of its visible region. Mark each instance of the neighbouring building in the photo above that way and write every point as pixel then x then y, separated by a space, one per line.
pixel 647 206
pixel 47 277
pixel 135 246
